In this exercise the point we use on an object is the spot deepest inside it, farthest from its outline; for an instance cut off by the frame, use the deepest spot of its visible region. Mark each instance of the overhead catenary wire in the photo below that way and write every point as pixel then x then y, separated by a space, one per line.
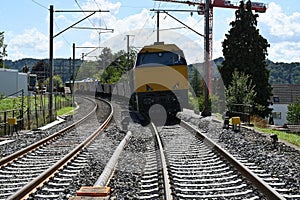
pixel 92 23
pixel 154 28
pixel 39 4
pixel 84 12
pixel 154 25
pixel 142 29
pixel 101 20
pixel 69 43
pixel 100 24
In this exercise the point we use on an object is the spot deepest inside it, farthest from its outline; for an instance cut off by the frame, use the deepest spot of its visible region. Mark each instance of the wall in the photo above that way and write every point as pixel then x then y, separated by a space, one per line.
pixel 12 81
pixel 282 110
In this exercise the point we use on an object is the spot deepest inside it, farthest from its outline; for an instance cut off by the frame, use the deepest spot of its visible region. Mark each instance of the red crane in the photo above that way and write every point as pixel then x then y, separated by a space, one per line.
pixel 256 6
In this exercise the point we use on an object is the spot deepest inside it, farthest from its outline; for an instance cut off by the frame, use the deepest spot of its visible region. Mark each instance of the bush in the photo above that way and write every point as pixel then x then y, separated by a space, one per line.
pixel 259 121
pixel 293 112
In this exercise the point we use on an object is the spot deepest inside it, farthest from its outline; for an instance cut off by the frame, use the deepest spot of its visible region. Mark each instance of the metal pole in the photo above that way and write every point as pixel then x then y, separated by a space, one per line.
pixel 127 53
pixel 51 65
pixel 22 110
pixel 73 75
pixel 206 111
pixel 157 26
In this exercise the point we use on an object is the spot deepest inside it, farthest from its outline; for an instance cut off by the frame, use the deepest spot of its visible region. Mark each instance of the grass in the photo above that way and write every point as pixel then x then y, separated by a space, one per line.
pixel 65 110
pixel 36 105
pixel 13 103
pixel 9 103
pixel 289 137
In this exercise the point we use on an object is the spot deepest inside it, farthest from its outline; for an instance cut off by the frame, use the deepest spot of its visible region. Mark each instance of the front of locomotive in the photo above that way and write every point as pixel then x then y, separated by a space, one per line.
pixel 161 77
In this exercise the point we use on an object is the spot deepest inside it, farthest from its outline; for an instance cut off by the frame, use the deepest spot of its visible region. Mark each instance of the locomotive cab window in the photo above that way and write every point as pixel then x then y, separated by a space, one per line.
pixel 160 58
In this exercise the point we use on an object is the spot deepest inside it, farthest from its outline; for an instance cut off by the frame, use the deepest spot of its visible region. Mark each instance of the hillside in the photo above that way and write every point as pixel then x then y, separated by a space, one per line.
pixel 280 73
pixel 284 73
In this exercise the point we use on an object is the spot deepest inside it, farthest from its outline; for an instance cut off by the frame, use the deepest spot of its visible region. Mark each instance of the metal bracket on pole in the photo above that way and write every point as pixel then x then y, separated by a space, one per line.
pixel 166 12
pixel 51 37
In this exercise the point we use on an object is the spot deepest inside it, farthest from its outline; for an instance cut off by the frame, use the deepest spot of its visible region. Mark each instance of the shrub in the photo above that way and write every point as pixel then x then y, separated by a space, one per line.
pixel 259 121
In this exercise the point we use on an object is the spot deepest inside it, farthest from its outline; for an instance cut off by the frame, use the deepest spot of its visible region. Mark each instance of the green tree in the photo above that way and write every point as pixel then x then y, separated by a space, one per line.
pixel 87 69
pixel 105 58
pixel 241 90
pixel 293 112
pixel 196 83
pixel 2 49
pixel 245 49
pixel 117 67
pixel 41 69
pixel 57 81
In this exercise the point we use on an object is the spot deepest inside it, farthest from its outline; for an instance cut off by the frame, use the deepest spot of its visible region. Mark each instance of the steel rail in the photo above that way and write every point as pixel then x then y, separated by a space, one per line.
pixel 31 187
pixel 166 179
pixel 260 184
pixel 4 161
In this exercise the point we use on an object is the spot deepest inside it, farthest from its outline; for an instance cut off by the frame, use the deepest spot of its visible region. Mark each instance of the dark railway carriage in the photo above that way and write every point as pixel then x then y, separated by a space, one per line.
pixel 160 76
pixel 104 90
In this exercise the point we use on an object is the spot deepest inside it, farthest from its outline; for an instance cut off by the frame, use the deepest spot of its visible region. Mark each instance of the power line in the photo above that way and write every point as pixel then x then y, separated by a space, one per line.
pixel 39 4
pixel 99 33
pixel 84 13
pixel 101 19
pixel 62 35
pixel 146 21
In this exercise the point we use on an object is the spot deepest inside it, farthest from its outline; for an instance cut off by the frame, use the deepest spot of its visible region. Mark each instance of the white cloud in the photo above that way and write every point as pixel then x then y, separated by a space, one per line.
pixel 30 39
pixel 279 23
pixel 102 5
pixel 217 48
pixel 132 22
pixel 283 34
pixel 31 43
pixel 140 21
pixel 285 52
pixel 192 50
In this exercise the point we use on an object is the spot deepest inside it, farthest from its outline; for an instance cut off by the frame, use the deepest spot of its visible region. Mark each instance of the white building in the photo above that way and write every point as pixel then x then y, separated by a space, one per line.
pixel 12 81
pixel 283 95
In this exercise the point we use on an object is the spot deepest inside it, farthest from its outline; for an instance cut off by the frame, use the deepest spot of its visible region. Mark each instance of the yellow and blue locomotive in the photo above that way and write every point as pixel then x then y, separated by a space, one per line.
pixel 160 76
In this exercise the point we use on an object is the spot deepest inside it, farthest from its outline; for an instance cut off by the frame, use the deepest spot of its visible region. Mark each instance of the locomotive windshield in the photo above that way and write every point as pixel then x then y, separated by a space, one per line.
pixel 160 58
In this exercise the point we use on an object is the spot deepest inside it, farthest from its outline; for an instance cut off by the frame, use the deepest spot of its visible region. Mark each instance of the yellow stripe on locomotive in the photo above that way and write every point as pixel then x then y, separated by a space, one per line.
pixel 161 78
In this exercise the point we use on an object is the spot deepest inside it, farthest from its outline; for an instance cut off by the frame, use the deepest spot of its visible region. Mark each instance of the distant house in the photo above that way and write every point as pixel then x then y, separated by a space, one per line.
pixel 283 95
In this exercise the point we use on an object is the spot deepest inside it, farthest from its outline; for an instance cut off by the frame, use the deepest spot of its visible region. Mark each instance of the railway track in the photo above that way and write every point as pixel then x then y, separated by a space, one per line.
pixel 197 168
pixel 25 170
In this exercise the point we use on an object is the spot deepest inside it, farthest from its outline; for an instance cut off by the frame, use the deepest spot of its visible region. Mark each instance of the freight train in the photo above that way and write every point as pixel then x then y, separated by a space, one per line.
pixel 160 76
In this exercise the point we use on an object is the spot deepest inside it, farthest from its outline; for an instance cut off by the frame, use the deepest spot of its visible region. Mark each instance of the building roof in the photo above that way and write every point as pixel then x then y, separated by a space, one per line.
pixel 285 94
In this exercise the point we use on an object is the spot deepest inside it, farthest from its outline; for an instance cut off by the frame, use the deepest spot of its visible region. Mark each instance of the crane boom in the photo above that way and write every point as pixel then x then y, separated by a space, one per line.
pixel 256 6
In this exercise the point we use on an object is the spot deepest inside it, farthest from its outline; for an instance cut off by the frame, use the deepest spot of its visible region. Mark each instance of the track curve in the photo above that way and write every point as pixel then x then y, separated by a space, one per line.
pixel 44 158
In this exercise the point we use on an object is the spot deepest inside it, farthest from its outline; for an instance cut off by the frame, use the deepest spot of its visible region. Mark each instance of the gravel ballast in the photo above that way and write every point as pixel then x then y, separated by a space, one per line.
pixel 282 161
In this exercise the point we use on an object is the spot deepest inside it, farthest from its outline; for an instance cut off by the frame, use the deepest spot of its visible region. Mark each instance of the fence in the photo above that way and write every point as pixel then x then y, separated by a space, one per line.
pixel 240 110
pixel 32 113
pixel 6 127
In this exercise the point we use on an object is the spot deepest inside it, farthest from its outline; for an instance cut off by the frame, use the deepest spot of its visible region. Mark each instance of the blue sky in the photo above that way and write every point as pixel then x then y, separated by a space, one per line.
pixel 26 27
